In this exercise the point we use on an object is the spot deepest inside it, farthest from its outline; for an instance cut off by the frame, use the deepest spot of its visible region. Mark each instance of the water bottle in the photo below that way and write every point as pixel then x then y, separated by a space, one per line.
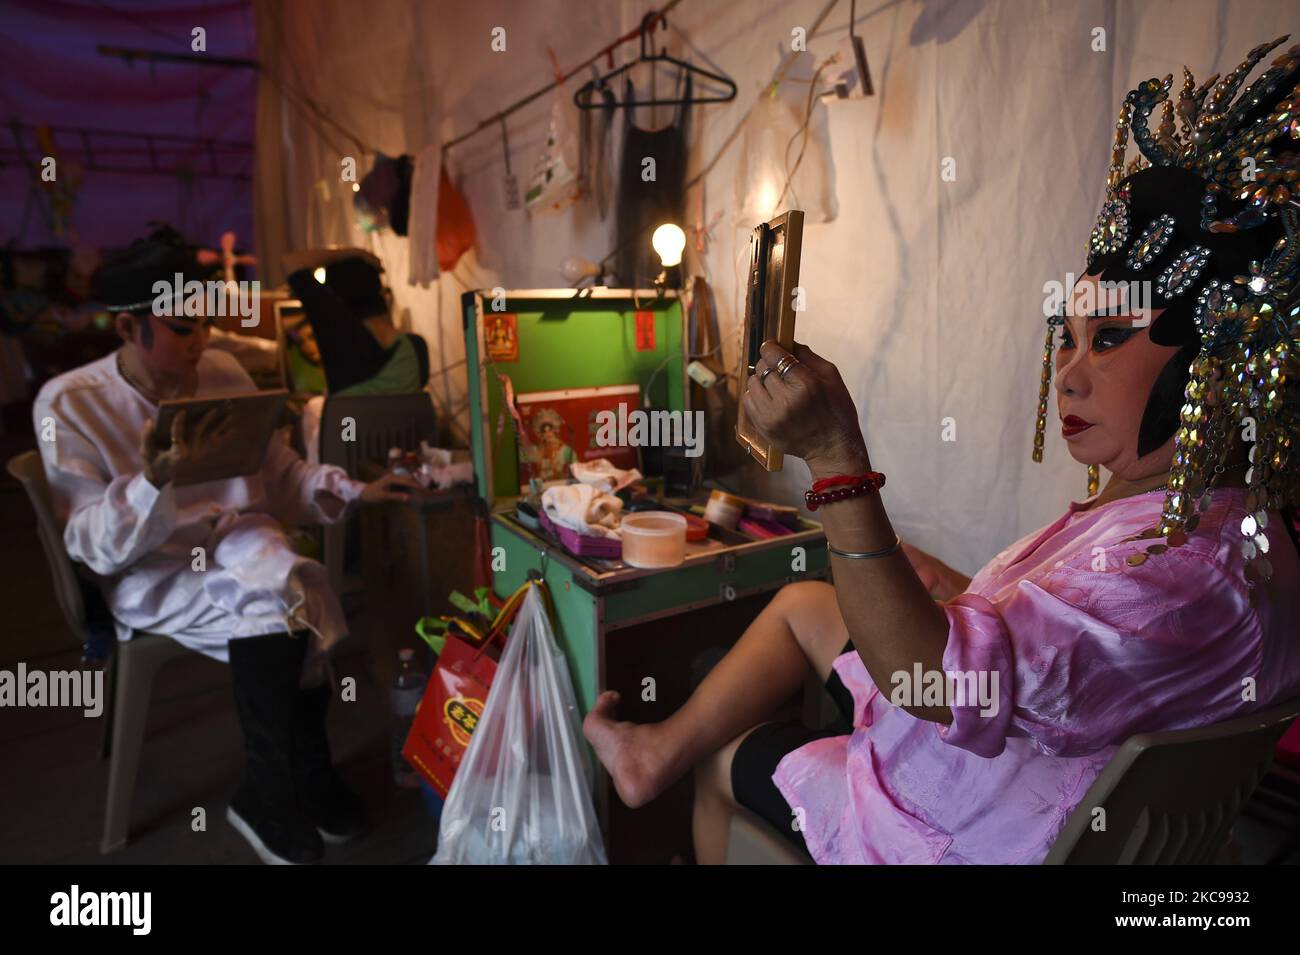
pixel 404 696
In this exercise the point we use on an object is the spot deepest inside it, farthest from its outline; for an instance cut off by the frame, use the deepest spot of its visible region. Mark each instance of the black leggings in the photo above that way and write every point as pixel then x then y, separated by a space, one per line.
pixel 759 753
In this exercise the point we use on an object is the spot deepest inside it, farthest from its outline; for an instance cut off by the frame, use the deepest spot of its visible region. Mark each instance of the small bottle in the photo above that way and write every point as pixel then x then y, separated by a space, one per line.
pixel 395 463
pixel 404 696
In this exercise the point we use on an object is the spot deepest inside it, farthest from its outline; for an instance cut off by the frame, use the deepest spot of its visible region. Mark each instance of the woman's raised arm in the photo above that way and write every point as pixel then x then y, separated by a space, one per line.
pixel 891 618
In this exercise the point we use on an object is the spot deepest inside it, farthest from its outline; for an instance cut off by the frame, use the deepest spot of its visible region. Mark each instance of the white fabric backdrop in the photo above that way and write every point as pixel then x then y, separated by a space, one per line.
pixel 928 294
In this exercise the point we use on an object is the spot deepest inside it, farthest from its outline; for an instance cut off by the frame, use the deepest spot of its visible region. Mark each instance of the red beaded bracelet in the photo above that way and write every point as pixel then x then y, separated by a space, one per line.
pixel 855 485
pixel 822 484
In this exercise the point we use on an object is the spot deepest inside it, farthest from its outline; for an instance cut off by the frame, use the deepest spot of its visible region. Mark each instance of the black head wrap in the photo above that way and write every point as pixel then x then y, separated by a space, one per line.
pixel 1166 218
pixel 124 281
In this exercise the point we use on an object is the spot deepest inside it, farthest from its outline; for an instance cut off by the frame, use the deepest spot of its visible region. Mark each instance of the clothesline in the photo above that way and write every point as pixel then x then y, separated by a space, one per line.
pixel 559 80
pixel 727 143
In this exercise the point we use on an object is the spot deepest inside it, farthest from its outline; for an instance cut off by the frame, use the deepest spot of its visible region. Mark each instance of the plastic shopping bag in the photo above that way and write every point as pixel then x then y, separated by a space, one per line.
pixel 554 183
pixel 784 159
pixel 523 791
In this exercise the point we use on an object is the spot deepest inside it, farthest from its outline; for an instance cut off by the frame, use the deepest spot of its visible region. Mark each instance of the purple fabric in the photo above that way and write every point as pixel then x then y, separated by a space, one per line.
pixel 1084 657
pixel 54 75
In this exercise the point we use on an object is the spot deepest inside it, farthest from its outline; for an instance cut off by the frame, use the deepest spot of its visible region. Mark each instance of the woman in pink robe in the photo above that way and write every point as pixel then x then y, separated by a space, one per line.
pixel 1088 651
pixel 976 723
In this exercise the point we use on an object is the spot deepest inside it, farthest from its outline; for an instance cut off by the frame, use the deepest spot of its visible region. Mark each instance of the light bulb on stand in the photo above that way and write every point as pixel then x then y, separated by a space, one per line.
pixel 575 269
pixel 669 240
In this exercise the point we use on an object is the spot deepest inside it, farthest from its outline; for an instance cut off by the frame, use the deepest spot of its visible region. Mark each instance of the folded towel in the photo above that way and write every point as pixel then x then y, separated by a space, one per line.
pixel 603 476
pixel 584 509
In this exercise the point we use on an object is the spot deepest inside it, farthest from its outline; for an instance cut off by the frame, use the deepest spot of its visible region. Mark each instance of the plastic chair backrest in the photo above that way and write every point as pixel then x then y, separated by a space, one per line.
pixel 29 471
pixel 1170 798
pixel 382 422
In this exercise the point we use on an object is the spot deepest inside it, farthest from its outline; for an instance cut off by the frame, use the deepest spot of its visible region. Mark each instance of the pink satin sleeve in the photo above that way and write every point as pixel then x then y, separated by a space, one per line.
pixel 1084 659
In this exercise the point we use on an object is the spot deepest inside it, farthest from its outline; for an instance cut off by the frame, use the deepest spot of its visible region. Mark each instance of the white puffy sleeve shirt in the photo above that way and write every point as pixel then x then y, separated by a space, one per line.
pixel 202 564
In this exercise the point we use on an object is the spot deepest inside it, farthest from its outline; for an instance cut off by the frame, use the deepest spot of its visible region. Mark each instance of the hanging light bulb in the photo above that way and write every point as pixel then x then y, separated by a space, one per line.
pixel 319 274
pixel 669 240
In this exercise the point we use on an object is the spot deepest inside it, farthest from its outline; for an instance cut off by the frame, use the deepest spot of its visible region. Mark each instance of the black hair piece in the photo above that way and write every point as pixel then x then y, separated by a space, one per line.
pixel 1164 406
pixel 1289 522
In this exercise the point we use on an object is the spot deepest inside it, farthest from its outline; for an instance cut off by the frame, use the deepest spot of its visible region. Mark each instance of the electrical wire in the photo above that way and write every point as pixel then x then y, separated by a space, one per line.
pixel 802 131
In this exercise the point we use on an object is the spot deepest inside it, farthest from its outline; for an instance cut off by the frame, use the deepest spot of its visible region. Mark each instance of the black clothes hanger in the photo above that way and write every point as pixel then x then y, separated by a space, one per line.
pixel 583 98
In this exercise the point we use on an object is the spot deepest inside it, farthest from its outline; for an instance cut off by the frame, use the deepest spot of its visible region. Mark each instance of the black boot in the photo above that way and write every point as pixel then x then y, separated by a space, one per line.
pixel 268 809
pixel 334 809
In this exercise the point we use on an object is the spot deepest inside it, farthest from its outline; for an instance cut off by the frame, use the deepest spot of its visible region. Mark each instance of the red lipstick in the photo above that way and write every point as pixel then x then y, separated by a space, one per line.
pixel 1072 424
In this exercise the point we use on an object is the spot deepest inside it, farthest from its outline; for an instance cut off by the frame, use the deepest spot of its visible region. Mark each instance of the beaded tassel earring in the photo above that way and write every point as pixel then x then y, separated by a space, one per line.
pixel 1044 387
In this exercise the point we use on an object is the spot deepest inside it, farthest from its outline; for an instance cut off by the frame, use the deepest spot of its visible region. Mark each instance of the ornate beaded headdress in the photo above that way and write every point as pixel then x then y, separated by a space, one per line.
pixel 1210 216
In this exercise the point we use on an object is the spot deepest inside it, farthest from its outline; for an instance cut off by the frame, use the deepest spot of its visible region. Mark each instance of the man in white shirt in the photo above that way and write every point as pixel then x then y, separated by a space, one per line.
pixel 207 564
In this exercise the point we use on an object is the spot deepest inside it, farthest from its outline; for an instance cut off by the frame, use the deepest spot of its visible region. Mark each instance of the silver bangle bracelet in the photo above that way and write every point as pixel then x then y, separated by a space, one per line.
pixel 866 554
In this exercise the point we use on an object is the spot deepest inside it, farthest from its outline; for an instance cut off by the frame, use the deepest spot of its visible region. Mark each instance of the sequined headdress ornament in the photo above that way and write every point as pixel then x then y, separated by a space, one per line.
pixel 1209 214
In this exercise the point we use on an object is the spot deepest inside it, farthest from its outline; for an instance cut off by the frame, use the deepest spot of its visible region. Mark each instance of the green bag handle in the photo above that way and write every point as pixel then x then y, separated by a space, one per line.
pixel 480 603
pixel 433 630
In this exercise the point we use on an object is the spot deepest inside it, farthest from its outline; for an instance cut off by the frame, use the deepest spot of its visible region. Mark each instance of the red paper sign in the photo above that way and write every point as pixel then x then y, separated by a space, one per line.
pixel 645 331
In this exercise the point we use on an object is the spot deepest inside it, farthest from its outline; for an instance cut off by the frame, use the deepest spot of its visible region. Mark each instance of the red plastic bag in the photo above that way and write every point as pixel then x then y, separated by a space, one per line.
pixel 456 233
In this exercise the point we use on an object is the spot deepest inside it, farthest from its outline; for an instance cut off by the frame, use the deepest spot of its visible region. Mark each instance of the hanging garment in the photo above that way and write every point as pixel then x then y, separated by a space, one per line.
pixel 383 197
pixel 426 184
pixel 593 156
pixel 646 201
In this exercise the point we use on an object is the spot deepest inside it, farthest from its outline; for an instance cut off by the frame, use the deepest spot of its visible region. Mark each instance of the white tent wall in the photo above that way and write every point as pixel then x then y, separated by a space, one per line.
pixel 927 293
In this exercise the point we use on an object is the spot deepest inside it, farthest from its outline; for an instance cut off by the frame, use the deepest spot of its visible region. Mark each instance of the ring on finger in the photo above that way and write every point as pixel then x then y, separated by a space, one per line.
pixel 785 364
pixel 762 375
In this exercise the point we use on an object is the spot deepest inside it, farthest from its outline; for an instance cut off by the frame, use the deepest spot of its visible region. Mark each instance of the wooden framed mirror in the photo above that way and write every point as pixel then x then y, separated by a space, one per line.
pixel 769 311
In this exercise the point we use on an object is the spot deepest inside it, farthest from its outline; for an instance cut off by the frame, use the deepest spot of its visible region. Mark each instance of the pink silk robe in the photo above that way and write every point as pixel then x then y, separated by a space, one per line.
pixel 1085 658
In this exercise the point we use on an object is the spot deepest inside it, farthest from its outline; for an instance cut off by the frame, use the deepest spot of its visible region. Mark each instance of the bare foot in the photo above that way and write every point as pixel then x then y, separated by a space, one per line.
pixel 631 753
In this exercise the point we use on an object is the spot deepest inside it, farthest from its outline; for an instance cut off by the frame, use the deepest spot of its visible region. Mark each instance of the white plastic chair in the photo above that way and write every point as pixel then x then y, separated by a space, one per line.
pixel 131 672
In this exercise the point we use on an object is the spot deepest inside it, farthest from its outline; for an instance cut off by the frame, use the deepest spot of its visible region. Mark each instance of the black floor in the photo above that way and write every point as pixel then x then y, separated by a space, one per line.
pixel 53 799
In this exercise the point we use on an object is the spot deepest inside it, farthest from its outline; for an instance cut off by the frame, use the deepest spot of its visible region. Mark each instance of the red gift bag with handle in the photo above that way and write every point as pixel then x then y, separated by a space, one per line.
pixel 454 699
